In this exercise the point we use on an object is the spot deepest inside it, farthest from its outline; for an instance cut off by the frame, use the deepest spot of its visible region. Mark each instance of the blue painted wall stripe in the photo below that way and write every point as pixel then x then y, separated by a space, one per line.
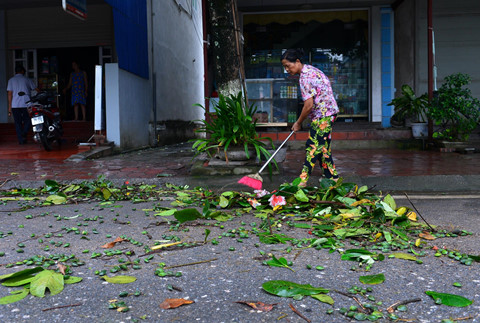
pixel 131 35
pixel 387 65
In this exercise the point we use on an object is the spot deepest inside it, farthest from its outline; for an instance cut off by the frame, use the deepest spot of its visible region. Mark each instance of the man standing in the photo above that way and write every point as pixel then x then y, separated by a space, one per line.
pixel 17 105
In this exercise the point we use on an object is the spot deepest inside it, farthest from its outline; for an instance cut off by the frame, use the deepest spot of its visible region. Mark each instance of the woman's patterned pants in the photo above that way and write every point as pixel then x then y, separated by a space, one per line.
pixel 318 146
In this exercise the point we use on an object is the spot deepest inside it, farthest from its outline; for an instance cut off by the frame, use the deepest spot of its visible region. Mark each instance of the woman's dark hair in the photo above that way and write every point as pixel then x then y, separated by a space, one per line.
pixel 292 55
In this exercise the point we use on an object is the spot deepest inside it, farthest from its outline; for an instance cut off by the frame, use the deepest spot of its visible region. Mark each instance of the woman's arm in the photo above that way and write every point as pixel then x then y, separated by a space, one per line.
pixel 307 108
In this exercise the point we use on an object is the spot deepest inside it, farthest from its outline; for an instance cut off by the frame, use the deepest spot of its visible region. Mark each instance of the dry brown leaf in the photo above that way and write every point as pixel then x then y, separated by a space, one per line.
pixel 259 306
pixel 426 236
pixel 62 268
pixel 112 244
pixel 174 303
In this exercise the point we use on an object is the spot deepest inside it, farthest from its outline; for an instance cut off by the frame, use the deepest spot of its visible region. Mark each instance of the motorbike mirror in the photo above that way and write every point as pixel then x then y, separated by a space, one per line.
pixel 21 93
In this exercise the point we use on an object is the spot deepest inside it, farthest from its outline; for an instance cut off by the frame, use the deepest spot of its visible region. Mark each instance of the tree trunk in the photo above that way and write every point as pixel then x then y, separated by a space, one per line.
pixel 225 46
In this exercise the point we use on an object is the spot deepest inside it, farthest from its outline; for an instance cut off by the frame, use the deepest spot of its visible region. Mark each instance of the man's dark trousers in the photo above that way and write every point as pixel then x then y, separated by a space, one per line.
pixel 22 123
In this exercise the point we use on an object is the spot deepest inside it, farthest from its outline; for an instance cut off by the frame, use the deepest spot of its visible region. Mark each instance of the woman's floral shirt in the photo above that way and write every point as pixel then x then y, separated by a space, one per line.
pixel 314 84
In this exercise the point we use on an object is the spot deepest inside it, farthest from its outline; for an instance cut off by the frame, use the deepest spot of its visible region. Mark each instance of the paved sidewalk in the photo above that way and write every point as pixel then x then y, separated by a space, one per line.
pixel 386 169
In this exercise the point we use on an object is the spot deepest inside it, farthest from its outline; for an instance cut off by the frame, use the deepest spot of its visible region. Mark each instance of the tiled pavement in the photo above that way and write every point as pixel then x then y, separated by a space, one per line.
pixel 415 168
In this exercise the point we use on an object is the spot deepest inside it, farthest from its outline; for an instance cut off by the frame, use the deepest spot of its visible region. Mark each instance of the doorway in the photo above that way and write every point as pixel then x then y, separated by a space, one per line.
pixel 56 64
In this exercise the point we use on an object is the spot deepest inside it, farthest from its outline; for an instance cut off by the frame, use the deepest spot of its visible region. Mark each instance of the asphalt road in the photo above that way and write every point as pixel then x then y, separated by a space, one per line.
pixel 227 272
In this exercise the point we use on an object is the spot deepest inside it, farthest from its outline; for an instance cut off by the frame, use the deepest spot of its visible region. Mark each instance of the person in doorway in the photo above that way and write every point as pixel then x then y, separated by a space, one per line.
pixel 17 104
pixel 320 105
pixel 79 85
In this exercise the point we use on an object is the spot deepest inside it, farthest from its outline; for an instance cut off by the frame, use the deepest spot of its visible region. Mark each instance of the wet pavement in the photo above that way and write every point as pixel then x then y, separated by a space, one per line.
pixel 387 169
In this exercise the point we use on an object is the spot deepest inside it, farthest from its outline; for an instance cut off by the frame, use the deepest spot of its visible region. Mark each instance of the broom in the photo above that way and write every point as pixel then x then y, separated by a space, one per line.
pixel 255 180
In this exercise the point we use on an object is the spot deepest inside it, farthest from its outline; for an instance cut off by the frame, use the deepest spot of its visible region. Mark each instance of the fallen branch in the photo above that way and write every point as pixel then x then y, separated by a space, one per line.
pixel 327 202
pixel 298 313
pixel 392 307
pixel 61 306
pixel 191 263
pixel 363 309
pixel 419 213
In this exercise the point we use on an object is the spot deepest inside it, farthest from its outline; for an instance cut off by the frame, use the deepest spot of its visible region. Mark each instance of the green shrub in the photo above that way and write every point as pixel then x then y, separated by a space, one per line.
pixel 231 125
pixel 454 109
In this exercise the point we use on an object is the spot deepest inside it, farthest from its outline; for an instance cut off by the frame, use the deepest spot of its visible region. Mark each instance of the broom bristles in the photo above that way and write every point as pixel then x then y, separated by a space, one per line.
pixel 253 181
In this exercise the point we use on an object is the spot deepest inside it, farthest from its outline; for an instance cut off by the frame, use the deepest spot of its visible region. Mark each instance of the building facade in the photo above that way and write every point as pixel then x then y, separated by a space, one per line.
pixel 155 54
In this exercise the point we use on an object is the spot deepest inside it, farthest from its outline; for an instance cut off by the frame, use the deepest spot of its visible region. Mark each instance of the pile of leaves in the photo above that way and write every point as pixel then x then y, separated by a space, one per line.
pixel 360 225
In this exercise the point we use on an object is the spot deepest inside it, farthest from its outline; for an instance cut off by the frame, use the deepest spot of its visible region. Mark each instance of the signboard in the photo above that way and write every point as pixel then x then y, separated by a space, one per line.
pixel 78 8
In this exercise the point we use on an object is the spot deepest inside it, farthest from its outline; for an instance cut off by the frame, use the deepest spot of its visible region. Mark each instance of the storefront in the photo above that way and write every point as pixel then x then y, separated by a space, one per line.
pixel 334 41
pixel 46 40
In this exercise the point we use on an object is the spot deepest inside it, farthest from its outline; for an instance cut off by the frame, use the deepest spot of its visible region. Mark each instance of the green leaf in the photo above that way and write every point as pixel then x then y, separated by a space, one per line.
pixel 450 299
pixel 223 202
pixel 25 272
pixel 372 279
pixel 405 256
pixel 390 201
pixel 207 233
pixel 301 197
pixel 267 238
pixel 282 262
pixel 120 279
pixel 187 215
pixel 46 279
pixel 56 199
pixel 106 193
pixel 285 288
pixel 166 212
pixel 72 280
pixel 350 232
pixel 18 281
pixel 324 298
pixel 17 296
pixel 220 216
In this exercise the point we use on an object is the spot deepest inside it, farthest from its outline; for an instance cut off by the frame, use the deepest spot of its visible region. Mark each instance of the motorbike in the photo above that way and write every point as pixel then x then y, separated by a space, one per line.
pixel 45 118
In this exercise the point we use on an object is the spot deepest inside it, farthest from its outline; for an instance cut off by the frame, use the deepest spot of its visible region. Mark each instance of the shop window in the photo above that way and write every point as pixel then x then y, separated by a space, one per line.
pixel 336 42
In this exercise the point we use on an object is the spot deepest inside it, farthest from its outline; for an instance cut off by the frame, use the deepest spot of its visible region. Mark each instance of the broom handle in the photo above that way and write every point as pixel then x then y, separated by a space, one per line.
pixel 275 152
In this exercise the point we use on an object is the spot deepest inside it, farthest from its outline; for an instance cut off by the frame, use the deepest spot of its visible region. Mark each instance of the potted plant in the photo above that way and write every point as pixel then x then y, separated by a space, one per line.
pixel 454 110
pixel 231 128
pixel 409 106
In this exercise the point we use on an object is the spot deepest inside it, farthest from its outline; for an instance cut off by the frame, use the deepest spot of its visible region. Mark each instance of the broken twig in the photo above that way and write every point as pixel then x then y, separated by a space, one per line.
pixel 191 263
pixel 392 307
pixel 298 313
pixel 61 306
pixel 419 213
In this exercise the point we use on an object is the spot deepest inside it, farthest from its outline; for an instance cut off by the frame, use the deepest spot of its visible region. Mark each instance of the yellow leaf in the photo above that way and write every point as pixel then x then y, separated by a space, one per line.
pixel 363 201
pixel 377 236
pixel 165 245
pixel 412 216
pixel 418 242
pixel 347 215
pixel 401 210
pixel 405 256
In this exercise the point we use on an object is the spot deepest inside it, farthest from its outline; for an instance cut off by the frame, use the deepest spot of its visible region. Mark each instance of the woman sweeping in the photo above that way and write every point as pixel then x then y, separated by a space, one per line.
pixel 320 105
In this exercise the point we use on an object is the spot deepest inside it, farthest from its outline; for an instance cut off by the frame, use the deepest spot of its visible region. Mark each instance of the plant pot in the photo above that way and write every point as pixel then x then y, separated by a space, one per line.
pixel 236 154
pixel 419 129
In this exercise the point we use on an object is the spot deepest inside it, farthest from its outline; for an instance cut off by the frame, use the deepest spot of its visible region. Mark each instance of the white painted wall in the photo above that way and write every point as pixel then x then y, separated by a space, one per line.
pixel 457 41
pixel 128 107
pixel 112 103
pixel 178 59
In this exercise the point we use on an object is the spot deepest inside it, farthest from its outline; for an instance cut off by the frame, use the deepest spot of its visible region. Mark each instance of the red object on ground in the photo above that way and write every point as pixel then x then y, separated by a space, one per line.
pixel 256 184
